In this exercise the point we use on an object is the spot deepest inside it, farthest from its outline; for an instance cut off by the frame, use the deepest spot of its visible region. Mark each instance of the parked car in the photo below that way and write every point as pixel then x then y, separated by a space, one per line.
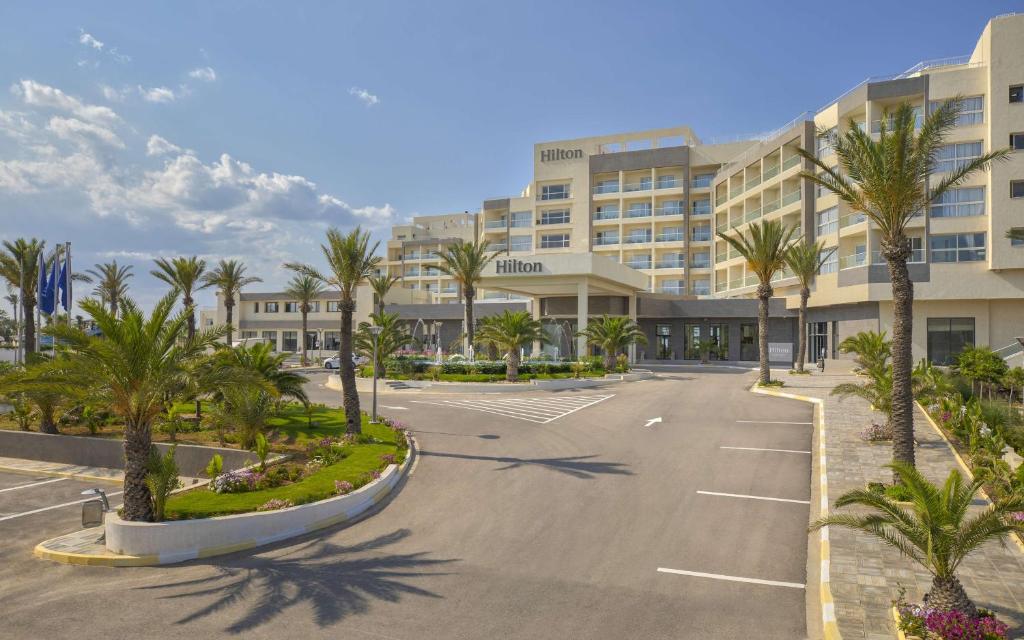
pixel 334 362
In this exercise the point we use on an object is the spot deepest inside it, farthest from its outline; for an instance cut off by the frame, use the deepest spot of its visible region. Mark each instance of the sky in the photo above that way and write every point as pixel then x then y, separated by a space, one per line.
pixel 243 129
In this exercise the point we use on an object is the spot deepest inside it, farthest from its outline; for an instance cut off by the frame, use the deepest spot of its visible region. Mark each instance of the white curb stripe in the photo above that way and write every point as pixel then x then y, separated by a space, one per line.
pixel 717 576
pixel 740 495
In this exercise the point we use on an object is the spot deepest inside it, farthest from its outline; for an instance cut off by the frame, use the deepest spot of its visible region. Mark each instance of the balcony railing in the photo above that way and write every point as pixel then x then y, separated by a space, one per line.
pixel 735 191
pixel 412 273
pixel 771 206
pixel 497 246
pixel 703 209
pixel 637 239
pixel 495 224
pixel 556 195
pixel 671 264
pixel 721 256
pixel 450 290
pixel 700 262
pixel 851 219
pixel 853 260
pixel 605 215
pixel 720 199
pixel 702 291
pixel 678 290
pixel 638 213
pixel 670 211
pixel 638 264
pixel 670 237
pixel 753 182
pixel 782 275
pixel 701 237
pixel 605 240
pixel 771 172
pixel 791 197
pixel 752 215
pixel 790 162
pixel 669 182
pixel 721 286
pixel 702 182
pixel 644 185
pixel 606 188
pixel 722 228
pixel 733 253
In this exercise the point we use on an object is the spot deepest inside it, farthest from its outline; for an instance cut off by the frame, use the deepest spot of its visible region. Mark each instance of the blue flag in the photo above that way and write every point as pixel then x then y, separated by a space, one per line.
pixel 46 297
pixel 64 288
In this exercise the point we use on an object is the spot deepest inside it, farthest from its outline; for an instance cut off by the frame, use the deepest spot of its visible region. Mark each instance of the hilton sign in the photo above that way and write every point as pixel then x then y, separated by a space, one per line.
pixel 548 155
pixel 517 266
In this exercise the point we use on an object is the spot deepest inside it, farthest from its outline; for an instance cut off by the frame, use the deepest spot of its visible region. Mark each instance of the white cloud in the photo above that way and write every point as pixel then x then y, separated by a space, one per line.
pixel 205 74
pixel 159 146
pixel 16 125
pixel 85 133
pixel 114 95
pixel 40 95
pixel 156 94
pixel 88 40
pixel 120 57
pixel 365 96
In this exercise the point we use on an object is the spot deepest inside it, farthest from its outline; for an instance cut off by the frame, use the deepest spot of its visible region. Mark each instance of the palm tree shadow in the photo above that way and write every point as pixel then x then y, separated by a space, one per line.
pixel 336 580
pixel 576 466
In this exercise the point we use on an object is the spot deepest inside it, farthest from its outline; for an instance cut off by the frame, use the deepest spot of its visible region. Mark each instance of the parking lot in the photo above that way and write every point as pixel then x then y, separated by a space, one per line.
pixel 671 508
pixel 40 503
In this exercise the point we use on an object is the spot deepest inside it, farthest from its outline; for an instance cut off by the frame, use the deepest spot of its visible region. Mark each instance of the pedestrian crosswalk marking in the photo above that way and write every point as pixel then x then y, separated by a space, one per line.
pixel 537 410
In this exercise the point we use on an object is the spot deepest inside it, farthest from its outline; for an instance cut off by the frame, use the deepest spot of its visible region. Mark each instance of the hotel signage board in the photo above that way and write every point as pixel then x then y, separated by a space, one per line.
pixel 509 266
pixel 780 352
pixel 550 155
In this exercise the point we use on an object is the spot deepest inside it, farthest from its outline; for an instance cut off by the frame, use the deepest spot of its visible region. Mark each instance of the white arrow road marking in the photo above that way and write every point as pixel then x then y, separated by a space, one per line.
pixel 387 406
pixel 652 421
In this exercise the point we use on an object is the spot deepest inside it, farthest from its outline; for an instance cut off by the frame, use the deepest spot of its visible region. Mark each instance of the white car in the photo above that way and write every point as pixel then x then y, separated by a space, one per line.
pixel 334 362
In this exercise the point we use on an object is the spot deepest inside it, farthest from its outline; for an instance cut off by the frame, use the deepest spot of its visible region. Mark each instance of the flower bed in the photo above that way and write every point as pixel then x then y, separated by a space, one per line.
pixel 920 622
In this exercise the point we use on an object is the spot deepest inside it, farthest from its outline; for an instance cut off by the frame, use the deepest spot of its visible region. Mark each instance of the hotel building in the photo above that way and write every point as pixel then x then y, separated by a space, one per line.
pixel 626 224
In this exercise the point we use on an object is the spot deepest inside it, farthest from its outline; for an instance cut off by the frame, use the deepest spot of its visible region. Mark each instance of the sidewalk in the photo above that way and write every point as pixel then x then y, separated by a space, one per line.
pixel 865 574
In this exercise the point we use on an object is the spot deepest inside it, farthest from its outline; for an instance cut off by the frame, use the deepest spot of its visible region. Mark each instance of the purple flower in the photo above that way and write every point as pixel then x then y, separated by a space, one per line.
pixel 343 487
pixel 375 474
pixel 388 458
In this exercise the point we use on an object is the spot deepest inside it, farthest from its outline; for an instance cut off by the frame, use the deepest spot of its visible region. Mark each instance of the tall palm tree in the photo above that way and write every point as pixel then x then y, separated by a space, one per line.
pixel 613 334
pixel 889 180
pixel 19 266
pixel 111 282
pixel 765 249
pixel 465 261
pixel 229 278
pixel 351 261
pixel 186 276
pixel 304 289
pixel 392 337
pixel 133 369
pixel 805 260
pixel 381 284
pixel 935 530
pixel 510 332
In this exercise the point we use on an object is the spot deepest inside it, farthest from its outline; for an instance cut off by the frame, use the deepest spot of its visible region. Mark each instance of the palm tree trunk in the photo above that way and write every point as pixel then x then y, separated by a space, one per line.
pixel 29 308
pixel 191 317
pixel 948 594
pixel 469 319
pixel 350 396
pixel 512 369
pixel 380 305
pixel 47 424
pixel 229 307
pixel 902 359
pixel 113 306
pixel 305 316
pixel 138 502
pixel 764 294
pixel 805 293
pixel 609 359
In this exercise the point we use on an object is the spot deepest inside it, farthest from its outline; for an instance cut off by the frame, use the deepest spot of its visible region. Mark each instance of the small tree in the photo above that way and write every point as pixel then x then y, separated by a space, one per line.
pixel 983 366
pixel 510 332
pixel 161 478
pixel 805 260
pixel 1013 379
pixel 871 350
pixel 381 285
pixel 612 334
pixel 935 530
pixel 393 336
pixel 465 262
pixel 229 278
pixel 304 289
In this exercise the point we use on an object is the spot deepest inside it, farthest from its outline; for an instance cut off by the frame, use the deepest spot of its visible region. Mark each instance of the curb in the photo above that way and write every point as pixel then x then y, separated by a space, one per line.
pixel 830 626
pixel 963 465
pixel 117 560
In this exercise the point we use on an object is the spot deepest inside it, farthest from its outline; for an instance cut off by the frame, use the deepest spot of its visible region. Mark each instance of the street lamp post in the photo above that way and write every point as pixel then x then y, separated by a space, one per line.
pixel 375 330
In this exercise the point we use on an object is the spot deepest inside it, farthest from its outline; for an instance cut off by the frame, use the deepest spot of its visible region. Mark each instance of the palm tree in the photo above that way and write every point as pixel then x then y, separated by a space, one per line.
pixel 111 282
pixel 133 369
pixel 465 261
pixel 261 364
pixel 229 278
pixel 889 181
pixel 871 349
pixel 38 386
pixel 186 276
pixel 19 266
pixel 765 250
pixel 805 260
pixel 934 530
pixel 510 332
pixel 304 289
pixel 613 334
pixel 393 336
pixel 351 261
pixel 381 284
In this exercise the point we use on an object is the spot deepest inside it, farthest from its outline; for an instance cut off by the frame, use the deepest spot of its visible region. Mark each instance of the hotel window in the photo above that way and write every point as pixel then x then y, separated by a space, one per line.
pixel 890 121
pixel 607 186
pixel 255 307
pixel 554 192
pixel 828 221
pixel 701 287
pixel 520 243
pixel 957 247
pixel 1017 93
pixel 666 182
pixel 333 306
pixel 701 207
pixel 555 216
pixel 673 286
pixel 248 334
pixel 1017 141
pixel 270 307
pixel 554 241
pixel 271 338
pixel 606 212
pixel 947 337
pixel 829 259
pixel 289 340
pixel 1017 241
pixel 824 143
pixel 639 210
pixel 332 340
pixel 672 208
pixel 1017 188
pixel 702 180
pixel 959 203
pixel 700 233
pixel 972 110
pixel 700 260
pixel 953 156
pixel 520 219
pixel 606 237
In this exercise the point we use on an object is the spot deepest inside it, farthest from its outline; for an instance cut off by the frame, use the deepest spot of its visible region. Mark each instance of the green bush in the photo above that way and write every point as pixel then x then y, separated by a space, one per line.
pixel 161 478
pixel 215 466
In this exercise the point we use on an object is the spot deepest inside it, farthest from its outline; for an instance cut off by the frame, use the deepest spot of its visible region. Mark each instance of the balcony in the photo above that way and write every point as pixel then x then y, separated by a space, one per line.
pixel 702 290
pixel 638 264
pixel 771 206
pixel 721 256
pixel 701 208
pixel 637 239
pixel 554 195
pixel 412 273
pixel 606 188
pixel 701 237
pixel 735 191
pixel 721 286
pixel 643 185
pixel 771 172
pixel 450 289
pixel 669 182
pixel 720 199
pixel 675 289
pixel 853 260
pixel 670 237
pixel 495 224
pixel 670 211
pixel 782 275
pixel 497 246
pixel 851 219
pixel 671 264
pixel 722 228
pixel 753 182
pixel 791 162
pixel 791 197
pixel 752 215
pixel 701 264
pixel 638 213
pixel 605 215
pixel 701 182
pixel 411 256
pixel 606 240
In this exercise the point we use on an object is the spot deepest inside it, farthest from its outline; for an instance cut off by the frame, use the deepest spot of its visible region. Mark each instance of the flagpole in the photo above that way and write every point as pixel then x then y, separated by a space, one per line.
pixel 56 286
pixel 19 313
pixel 39 293
pixel 67 282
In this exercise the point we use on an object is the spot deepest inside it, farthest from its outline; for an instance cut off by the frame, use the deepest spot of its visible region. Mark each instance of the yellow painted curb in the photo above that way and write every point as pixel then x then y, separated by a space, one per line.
pixel 87 559
pixel 963 465
pixel 830 626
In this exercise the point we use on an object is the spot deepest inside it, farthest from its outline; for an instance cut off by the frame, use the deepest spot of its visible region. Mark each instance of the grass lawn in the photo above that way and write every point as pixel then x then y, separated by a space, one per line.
pixel 363 459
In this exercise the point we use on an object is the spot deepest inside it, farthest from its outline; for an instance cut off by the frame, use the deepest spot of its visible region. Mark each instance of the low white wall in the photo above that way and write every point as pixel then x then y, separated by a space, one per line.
pixel 180 540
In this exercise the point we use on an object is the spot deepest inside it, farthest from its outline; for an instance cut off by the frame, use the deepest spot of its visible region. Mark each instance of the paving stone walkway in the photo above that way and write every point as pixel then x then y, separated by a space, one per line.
pixel 865 574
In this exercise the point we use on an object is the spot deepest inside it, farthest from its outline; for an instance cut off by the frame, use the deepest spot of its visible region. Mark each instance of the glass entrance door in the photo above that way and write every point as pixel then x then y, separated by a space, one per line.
pixel 718 334
pixel 691 334
pixel 664 347
pixel 817 340
pixel 748 342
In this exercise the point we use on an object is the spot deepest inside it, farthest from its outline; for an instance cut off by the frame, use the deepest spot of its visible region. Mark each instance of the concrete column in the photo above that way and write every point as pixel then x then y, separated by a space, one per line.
pixel 632 316
pixel 582 310
pixel 535 307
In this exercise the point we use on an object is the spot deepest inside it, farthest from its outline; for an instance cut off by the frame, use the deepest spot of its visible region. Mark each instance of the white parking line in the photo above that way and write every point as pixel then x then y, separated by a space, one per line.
pixel 770 422
pixel 718 576
pixel 541 410
pixel 387 406
pixel 55 506
pixel 740 495
pixel 32 484
pixel 759 449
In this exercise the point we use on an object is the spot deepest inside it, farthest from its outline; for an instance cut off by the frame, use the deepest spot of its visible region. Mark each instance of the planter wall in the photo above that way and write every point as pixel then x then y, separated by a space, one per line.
pixel 177 541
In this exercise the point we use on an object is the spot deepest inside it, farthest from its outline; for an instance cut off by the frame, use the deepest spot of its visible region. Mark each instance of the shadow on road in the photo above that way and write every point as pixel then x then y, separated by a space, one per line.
pixel 336 580
pixel 483 436
pixel 576 466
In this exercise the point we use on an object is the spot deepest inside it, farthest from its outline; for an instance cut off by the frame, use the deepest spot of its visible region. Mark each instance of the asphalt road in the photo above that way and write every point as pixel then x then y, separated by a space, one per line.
pixel 520 520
